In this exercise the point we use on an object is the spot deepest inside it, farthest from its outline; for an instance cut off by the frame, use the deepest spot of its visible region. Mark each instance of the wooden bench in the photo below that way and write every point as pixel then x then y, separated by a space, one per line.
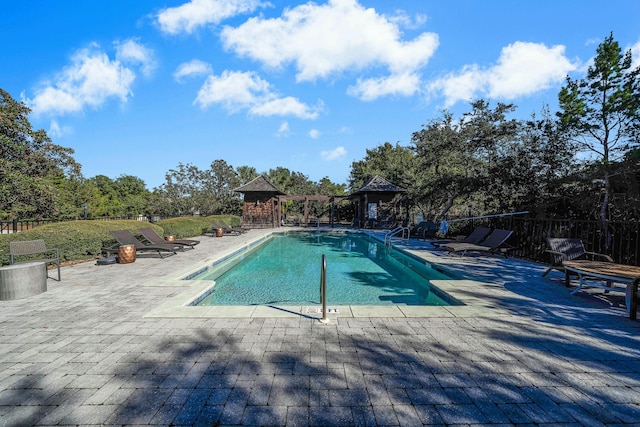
pixel 566 249
pixel 28 248
pixel 604 275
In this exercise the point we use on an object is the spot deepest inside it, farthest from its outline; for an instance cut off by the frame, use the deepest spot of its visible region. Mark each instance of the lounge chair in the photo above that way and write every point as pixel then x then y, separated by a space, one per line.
pixel 125 237
pixel 565 249
pixel 226 230
pixel 154 238
pixel 476 236
pixel 226 226
pixel 494 242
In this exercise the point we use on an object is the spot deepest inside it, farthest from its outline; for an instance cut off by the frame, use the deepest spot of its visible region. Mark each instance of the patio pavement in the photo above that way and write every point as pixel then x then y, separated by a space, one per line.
pixel 115 345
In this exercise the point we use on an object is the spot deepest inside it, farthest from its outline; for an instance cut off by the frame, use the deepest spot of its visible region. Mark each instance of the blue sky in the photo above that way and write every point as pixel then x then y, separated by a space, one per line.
pixel 137 87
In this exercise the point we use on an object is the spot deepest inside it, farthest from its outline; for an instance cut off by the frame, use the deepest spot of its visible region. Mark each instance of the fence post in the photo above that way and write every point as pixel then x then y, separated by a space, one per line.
pixel 15 225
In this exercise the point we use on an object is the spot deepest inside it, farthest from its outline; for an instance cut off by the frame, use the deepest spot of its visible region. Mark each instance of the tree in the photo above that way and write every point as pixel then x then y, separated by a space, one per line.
pixel 246 174
pixel 540 168
pixel 601 112
pixel 328 188
pixel 123 197
pixel 461 162
pixel 132 194
pixel 74 192
pixel 291 182
pixel 31 166
pixel 445 165
pixel 178 195
pixel 490 138
pixel 217 195
pixel 394 163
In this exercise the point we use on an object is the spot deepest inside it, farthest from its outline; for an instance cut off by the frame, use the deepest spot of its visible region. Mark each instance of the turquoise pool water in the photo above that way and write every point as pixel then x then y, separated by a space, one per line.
pixel 285 270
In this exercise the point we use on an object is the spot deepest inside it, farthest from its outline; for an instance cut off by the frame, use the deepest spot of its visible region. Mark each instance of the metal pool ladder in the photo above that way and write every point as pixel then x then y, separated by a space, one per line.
pixel 398 230
pixel 323 289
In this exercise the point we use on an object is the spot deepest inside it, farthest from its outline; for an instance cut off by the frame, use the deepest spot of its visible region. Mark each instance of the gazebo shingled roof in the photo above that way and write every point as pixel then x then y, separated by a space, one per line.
pixel 261 184
pixel 378 184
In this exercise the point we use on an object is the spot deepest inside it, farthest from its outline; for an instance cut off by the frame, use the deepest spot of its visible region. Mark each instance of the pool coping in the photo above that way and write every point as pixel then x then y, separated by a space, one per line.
pixel 178 306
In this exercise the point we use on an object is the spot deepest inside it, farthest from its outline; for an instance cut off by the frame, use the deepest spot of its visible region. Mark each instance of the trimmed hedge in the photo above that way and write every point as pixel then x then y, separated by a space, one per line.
pixel 194 226
pixel 84 240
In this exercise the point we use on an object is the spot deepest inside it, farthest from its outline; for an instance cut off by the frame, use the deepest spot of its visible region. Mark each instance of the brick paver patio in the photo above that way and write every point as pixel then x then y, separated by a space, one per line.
pixel 106 347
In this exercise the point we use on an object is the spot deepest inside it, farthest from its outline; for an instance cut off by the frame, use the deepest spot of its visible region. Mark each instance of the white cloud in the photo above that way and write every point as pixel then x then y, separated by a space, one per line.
pixel 197 13
pixel 525 68
pixel 287 106
pixel 314 133
pixel 130 51
pixel 404 20
pixel 236 91
pixel 461 87
pixel 399 84
pixel 195 67
pixel 522 69
pixel 233 89
pixel 90 80
pixel 284 130
pixel 334 154
pixel 57 131
pixel 338 37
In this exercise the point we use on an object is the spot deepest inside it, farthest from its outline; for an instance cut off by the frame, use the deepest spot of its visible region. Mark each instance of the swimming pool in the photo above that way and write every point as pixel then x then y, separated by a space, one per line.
pixel 285 270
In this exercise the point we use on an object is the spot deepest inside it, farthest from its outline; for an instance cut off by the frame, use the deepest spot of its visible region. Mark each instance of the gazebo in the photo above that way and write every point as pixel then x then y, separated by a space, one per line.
pixel 372 203
pixel 261 206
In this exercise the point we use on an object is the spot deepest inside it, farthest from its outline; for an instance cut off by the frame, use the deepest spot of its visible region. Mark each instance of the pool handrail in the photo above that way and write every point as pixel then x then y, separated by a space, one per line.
pixel 323 289
pixel 397 230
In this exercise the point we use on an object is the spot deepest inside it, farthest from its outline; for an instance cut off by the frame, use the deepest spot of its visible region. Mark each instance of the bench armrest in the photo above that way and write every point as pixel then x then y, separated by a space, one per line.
pixel 562 255
pixel 597 255
pixel 53 251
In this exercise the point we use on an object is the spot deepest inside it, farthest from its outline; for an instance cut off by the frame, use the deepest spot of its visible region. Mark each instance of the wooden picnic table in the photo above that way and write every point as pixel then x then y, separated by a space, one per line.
pixel 609 273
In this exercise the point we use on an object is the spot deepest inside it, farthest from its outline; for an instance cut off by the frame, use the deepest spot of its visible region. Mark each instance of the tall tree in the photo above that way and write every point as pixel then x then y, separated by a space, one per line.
pixel 30 164
pixel 490 137
pixel 601 112
pixel 127 195
pixel 539 167
pixel 246 174
pixel 329 188
pixel 179 194
pixel 461 161
pixel 394 163
pixel 133 195
pixel 217 194
pixel 446 167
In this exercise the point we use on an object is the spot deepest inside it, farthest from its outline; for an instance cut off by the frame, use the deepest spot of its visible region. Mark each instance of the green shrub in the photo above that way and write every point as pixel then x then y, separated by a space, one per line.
pixel 194 226
pixel 76 240
pixel 183 228
pixel 84 240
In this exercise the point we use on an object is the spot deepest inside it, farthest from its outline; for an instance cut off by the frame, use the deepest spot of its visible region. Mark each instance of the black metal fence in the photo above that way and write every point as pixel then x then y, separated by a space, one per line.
pixel 620 240
pixel 7 227
pixel 14 226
